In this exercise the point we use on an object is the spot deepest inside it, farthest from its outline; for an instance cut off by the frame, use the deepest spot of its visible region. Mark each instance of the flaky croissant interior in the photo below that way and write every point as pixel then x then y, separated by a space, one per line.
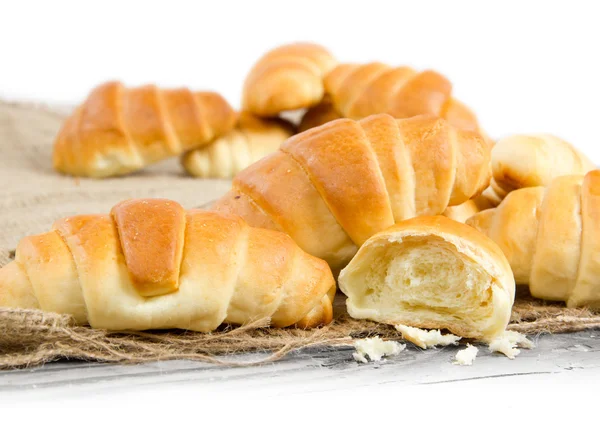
pixel 424 282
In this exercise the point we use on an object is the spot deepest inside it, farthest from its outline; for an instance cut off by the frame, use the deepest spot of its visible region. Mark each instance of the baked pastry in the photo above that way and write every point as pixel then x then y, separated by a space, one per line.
pixel 467 209
pixel 151 265
pixel 523 161
pixel 118 130
pixel 358 91
pixel 286 78
pixel 431 272
pixel 493 195
pixel 252 139
pixel 318 115
pixel 462 212
pixel 332 187
pixel 551 237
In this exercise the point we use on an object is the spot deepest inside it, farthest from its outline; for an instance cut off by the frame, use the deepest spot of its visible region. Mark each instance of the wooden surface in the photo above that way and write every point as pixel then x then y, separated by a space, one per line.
pixel 572 357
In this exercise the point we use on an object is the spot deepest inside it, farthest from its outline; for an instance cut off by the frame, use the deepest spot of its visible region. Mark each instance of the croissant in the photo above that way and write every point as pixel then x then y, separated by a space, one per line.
pixel 523 161
pixel 119 130
pixel 151 265
pixel 358 91
pixel 252 139
pixel 461 212
pixel 334 186
pixel 318 115
pixel 551 237
pixel 467 209
pixel 287 78
pixel 431 272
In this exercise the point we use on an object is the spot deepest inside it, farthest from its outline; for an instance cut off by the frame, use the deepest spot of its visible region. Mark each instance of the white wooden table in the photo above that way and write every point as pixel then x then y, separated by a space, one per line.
pixel 566 357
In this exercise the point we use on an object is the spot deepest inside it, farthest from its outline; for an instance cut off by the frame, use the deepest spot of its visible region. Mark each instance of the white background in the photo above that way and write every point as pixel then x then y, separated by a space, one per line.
pixel 522 66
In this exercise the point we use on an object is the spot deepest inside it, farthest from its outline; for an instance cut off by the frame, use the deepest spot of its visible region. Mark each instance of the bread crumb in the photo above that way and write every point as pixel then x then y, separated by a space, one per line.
pixel 508 342
pixel 375 349
pixel 426 338
pixel 466 356
pixel 519 339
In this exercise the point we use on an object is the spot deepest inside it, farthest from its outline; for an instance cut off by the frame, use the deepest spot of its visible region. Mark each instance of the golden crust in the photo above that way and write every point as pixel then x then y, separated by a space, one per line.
pixel 358 91
pixel 460 116
pixel 16 290
pixel 252 139
pixel 517 241
pixel 118 130
pixel 286 78
pixel 557 247
pixel 472 146
pixel 375 96
pixel 549 236
pixel 47 259
pixel 586 290
pixel 462 212
pixel 151 234
pixel 239 203
pixel 426 93
pixel 354 84
pixel 523 161
pixel 276 191
pixel 334 186
pixel 394 159
pixel 186 121
pixel 429 140
pixel 169 269
pixel 345 172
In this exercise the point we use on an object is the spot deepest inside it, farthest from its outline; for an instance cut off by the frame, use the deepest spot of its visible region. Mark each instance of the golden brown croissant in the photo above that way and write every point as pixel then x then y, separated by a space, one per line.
pixel 358 91
pixel 119 130
pixel 332 187
pixel 431 272
pixel 252 139
pixel 523 161
pixel 286 78
pixel 150 264
pixel 551 237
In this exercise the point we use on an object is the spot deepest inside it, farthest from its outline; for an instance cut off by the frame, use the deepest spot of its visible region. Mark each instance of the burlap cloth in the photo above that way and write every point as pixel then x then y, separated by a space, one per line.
pixel 33 196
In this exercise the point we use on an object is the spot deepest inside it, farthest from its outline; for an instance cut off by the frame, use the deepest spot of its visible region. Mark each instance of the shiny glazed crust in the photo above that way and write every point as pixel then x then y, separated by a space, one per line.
pixel 151 265
pixel 358 91
pixel 332 187
pixel 118 130
pixel 287 78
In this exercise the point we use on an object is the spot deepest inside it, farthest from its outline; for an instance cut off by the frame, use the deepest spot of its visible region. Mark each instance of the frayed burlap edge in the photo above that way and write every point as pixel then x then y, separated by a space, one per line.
pixel 31 337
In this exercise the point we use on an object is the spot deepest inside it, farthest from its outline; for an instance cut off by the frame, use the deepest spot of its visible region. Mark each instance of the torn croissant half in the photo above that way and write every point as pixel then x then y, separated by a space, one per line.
pixel 431 272
pixel 150 264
